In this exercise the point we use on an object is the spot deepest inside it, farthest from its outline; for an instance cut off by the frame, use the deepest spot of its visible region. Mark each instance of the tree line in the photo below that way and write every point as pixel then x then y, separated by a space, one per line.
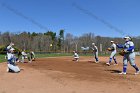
pixel 51 42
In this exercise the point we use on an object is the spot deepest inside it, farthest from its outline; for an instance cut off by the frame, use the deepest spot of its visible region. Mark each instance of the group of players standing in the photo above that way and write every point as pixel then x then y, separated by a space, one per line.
pixel 12 59
pixel 129 55
pixel 128 48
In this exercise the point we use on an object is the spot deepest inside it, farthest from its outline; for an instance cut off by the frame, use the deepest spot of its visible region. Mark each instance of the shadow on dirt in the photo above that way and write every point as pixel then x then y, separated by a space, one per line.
pixel 103 63
pixel 89 61
pixel 114 71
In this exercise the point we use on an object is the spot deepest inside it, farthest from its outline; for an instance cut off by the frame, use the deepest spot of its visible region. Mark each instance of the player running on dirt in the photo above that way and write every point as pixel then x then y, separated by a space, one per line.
pixel 32 55
pixel 112 48
pixel 129 55
pixel 95 52
pixel 25 56
pixel 76 56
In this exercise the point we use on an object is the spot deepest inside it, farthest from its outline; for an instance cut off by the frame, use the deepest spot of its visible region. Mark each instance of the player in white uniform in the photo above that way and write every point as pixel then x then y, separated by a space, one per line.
pixel 11 60
pixel 32 55
pixel 95 52
pixel 76 56
pixel 25 56
pixel 113 53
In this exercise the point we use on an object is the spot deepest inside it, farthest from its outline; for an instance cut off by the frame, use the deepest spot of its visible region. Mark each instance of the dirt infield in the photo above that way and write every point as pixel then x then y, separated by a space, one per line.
pixel 62 75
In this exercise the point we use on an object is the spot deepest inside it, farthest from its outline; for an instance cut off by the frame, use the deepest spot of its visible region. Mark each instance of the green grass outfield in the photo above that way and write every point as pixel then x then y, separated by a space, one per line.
pixel 2 57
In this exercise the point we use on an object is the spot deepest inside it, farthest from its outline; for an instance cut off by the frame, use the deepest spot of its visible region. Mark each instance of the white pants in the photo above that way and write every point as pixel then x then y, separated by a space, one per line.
pixel 24 57
pixel 113 54
pixel 76 58
pixel 14 68
pixel 129 57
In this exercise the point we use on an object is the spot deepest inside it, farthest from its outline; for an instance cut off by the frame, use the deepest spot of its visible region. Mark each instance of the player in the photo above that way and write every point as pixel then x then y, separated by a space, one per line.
pixel 11 59
pixel 76 56
pixel 95 52
pixel 32 55
pixel 8 49
pixel 112 48
pixel 19 54
pixel 25 56
pixel 129 55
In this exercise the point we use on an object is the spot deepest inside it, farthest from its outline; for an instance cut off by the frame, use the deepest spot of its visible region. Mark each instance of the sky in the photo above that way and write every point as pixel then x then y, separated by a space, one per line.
pixel 109 18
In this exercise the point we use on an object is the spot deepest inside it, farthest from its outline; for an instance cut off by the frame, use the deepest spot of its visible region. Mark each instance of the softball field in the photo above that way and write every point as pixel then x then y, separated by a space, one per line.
pixel 62 75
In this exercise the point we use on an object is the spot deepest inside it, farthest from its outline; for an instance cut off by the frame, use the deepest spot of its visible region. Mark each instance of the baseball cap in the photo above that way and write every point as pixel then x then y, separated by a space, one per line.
pixel 127 37
pixel 93 43
pixel 12 44
pixel 111 41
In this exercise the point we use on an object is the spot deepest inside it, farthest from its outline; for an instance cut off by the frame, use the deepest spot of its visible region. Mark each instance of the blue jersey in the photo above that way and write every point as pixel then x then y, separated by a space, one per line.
pixel 128 46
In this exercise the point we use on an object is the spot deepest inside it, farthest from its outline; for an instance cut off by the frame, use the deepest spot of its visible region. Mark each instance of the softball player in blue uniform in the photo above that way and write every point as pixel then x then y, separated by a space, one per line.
pixel 129 55
pixel 113 53
pixel 95 52
pixel 11 58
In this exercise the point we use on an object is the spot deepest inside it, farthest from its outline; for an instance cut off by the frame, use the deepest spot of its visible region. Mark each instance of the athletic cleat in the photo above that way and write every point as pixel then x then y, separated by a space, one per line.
pixel 115 64
pixel 7 69
pixel 122 73
pixel 96 61
pixel 108 64
pixel 137 72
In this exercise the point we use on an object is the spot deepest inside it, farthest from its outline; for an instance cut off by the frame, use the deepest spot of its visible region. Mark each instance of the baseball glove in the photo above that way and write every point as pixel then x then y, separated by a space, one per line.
pixel 94 50
pixel 122 52
pixel 109 49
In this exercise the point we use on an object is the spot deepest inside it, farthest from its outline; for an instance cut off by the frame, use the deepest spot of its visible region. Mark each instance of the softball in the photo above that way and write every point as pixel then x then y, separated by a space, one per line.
pixel 50 45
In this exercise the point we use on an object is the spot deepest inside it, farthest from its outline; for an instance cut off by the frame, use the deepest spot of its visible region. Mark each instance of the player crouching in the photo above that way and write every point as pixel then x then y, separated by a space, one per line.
pixel 12 67
pixel 25 56
pixel 76 56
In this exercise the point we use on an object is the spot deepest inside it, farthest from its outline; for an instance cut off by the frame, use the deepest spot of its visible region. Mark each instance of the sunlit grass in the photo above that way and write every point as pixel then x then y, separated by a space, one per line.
pixel 42 55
